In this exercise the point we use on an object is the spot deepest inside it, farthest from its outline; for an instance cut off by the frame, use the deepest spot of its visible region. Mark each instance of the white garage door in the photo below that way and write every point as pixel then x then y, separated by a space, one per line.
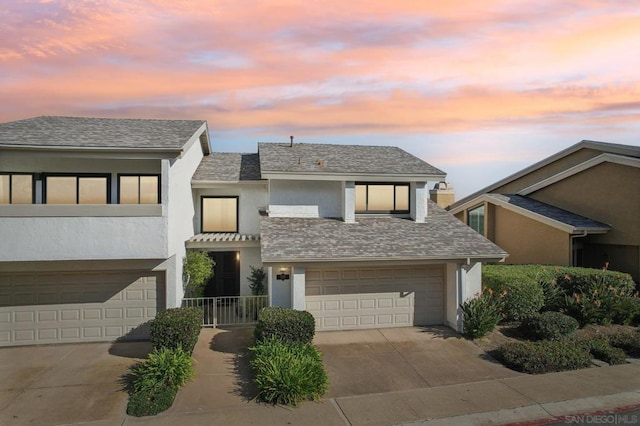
pixel 352 298
pixel 77 307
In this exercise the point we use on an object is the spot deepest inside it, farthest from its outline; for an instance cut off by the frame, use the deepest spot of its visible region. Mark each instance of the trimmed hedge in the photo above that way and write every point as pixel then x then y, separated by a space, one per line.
pixel 287 373
pixel 602 350
pixel 548 325
pixel 150 403
pixel 545 356
pixel 286 325
pixel 628 341
pixel 589 295
pixel 177 327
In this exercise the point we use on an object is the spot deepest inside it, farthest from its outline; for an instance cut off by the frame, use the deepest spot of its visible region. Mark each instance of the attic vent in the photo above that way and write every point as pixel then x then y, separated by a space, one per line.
pixel 291 144
pixel 320 163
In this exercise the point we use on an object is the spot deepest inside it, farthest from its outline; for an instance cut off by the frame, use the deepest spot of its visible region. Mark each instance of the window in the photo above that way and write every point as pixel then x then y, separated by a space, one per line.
pixel 219 214
pixel 85 189
pixel 16 188
pixel 382 198
pixel 138 189
pixel 475 219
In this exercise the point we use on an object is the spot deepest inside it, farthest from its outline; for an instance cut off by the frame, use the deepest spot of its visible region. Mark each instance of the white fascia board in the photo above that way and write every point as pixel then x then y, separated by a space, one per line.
pixel 98 152
pixel 345 261
pixel 592 162
pixel 226 183
pixel 365 177
pixel 196 138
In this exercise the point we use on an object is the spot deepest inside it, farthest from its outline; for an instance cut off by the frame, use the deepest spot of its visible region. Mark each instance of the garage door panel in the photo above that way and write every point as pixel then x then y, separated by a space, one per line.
pixel 379 297
pixel 77 306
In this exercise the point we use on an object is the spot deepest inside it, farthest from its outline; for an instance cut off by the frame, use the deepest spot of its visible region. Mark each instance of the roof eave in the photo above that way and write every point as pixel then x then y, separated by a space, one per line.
pixel 445 259
pixel 311 175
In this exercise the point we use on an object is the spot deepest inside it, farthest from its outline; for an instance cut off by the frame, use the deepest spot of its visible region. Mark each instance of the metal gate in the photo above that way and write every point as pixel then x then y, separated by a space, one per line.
pixel 228 310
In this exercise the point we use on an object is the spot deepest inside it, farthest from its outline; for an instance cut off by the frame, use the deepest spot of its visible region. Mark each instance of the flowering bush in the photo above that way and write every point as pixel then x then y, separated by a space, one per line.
pixel 481 314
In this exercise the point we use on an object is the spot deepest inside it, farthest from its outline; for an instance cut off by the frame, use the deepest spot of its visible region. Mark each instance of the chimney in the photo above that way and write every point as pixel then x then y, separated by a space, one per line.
pixel 443 194
pixel 291 144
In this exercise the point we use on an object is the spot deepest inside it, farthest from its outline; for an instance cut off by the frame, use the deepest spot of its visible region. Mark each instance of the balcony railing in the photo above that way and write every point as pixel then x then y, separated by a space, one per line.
pixel 227 310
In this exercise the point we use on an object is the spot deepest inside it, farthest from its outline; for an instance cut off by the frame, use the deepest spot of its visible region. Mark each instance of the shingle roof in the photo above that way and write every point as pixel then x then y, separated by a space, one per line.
pixel 115 133
pixel 442 236
pixel 580 223
pixel 324 158
pixel 228 166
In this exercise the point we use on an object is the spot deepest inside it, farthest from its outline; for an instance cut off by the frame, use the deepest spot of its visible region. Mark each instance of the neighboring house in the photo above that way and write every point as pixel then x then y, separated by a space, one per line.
pixel 96 216
pixel 579 207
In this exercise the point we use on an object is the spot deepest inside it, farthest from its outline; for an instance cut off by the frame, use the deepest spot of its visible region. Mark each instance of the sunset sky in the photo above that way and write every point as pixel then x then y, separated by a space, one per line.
pixel 479 89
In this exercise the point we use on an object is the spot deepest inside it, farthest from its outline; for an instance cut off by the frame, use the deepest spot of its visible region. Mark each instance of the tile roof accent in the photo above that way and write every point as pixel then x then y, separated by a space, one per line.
pixel 442 236
pixel 114 133
pixel 343 159
pixel 228 166
pixel 222 237
pixel 580 223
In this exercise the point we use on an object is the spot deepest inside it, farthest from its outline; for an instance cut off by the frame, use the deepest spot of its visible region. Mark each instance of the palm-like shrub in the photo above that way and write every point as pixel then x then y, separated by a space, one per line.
pixel 481 314
pixel 164 368
pixel 287 373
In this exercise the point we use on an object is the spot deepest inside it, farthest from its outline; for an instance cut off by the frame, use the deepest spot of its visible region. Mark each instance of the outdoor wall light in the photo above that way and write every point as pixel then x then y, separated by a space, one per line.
pixel 283 274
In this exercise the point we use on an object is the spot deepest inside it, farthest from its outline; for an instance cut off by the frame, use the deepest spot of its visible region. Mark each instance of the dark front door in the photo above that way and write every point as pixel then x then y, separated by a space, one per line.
pixel 226 274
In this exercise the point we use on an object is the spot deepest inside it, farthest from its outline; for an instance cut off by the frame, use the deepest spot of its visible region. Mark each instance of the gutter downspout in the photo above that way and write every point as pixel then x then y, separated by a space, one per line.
pixel 571 238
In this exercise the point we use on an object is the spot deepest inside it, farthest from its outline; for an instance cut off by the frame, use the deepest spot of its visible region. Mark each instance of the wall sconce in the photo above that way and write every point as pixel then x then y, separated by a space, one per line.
pixel 282 274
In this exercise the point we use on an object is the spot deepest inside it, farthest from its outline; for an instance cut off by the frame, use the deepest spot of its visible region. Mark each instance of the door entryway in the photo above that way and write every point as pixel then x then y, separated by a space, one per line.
pixel 226 274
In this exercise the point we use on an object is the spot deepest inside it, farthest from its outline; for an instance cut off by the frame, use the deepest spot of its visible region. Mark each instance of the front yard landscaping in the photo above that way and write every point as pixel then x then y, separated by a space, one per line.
pixel 539 319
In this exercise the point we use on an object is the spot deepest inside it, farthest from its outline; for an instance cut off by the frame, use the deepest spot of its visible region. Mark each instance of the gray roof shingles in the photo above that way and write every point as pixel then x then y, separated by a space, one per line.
pixel 228 166
pixel 111 133
pixel 373 238
pixel 580 223
pixel 344 159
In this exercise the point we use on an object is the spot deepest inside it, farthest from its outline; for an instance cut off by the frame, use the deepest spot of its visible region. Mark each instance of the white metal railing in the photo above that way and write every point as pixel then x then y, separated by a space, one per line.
pixel 227 310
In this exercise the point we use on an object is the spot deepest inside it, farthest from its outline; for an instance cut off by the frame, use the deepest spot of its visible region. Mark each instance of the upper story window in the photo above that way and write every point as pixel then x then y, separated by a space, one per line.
pixel 138 189
pixel 475 219
pixel 16 188
pixel 219 214
pixel 76 189
pixel 382 198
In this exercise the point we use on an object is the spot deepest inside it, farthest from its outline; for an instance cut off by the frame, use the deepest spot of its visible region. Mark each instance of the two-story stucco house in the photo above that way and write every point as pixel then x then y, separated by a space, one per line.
pixel 97 214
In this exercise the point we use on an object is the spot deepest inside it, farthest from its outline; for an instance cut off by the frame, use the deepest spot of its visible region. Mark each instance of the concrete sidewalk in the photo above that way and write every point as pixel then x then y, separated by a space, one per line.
pixel 222 392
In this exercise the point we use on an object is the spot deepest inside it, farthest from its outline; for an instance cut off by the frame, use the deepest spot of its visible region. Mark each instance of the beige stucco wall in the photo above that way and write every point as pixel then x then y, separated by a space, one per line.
pixel 548 171
pixel 529 241
pixel 607 192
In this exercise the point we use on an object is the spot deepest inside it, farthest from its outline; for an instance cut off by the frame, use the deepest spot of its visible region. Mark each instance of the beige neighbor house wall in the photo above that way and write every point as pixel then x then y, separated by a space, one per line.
pixel 549 170
pixel 529 241
pixel 609 193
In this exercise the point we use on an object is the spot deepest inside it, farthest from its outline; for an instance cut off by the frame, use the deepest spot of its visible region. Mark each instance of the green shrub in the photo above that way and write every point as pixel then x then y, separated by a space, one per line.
pixel 628 341
pixel 481 314
pixel 595 296
pixel 196 271
pixel 287 325
pixel 257 281
pixel 627 311
pixel 545 356
pixel 177 327
pixel 148 403
pixel 287 373
pixel 164 368
pixel 548 325
pixel 602 350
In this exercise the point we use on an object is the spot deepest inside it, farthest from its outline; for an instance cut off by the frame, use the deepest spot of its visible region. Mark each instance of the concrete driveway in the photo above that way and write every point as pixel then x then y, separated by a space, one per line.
pixel 61 384
pixel 397 359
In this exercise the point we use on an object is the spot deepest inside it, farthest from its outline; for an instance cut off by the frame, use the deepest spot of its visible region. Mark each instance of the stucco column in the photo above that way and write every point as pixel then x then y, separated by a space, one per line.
pixel 298 288
pixel 463 282
pixel 349 202
pixel 418 207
